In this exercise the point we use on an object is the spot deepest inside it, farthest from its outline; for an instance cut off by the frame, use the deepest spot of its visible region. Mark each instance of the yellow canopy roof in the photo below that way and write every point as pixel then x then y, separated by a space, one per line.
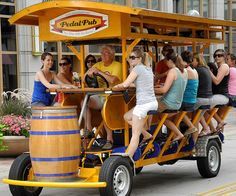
pixel 31 15
pixel 123 22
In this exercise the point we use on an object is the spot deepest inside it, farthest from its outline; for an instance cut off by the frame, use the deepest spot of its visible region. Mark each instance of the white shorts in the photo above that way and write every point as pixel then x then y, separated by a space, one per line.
pixel 142 110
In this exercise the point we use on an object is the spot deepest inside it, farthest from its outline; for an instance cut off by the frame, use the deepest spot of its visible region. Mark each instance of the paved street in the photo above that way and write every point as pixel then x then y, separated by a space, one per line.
pixel 181 178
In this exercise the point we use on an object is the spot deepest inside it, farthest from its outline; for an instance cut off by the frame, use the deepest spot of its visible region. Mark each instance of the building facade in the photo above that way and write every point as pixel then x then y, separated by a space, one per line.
pixel 20 48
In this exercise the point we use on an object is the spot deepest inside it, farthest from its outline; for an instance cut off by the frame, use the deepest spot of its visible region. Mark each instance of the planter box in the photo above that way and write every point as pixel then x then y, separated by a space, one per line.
pixel 16 145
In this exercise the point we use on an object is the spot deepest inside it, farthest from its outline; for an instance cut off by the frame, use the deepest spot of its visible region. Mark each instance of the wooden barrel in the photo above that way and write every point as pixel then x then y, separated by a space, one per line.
pixel 55 143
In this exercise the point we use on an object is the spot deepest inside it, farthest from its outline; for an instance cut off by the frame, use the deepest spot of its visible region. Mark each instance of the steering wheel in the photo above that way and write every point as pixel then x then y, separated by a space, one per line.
pixel 92 82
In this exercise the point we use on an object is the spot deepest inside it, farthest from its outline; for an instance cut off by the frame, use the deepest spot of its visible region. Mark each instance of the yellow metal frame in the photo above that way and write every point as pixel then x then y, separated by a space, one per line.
pixel 123 20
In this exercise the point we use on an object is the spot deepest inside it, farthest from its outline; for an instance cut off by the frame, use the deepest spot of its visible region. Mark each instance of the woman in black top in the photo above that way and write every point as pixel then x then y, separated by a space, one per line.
pixel 221 80
pixel 204 94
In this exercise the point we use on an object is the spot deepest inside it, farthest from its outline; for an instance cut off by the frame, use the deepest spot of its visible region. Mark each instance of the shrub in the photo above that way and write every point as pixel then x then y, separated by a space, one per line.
pixel 14 106
pixel 12 125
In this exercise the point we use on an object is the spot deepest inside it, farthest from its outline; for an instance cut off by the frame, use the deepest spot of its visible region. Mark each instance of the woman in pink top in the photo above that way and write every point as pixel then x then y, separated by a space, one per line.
pixel 231 60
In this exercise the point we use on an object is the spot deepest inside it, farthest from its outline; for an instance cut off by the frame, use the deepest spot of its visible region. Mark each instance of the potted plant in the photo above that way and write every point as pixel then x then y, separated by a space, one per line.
pixel 14 122
pixel 15 131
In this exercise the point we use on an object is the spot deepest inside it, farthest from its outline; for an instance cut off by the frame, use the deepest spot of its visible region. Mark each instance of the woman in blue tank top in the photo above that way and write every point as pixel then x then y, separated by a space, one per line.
pixel 43 81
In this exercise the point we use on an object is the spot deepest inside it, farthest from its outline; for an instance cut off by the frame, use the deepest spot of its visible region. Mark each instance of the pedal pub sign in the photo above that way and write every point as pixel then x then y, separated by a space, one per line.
pixel 79 24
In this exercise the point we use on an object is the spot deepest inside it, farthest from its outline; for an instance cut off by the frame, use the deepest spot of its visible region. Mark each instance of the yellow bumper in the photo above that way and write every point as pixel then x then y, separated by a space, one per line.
pixel 79 184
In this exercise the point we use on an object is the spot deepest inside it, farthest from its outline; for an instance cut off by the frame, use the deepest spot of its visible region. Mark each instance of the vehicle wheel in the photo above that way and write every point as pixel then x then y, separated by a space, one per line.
pixel 138 170
pixel 19 171
pixel 209 166
pixel 117 172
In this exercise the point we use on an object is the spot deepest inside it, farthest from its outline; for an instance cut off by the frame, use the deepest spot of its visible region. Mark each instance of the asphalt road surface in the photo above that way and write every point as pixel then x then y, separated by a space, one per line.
pixel 180 179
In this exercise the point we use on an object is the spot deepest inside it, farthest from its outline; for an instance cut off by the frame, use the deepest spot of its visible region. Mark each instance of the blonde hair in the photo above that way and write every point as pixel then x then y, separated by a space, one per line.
pixel 180 64
pixel 201 61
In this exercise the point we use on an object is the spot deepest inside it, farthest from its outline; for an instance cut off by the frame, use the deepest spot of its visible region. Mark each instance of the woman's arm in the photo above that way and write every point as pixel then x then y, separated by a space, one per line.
pixel 128 82
pixel 63 79
pixel 61 84
pixel 222 72
pixel 40 76
pixel 171 76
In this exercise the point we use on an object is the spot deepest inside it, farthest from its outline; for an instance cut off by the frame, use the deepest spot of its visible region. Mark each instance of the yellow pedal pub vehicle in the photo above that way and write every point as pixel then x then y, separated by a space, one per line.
pixel 57 157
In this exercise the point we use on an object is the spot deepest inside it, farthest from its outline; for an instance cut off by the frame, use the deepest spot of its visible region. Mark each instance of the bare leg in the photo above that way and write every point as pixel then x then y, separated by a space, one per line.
pixel 92 104
pixel 109 133
pixel 128 117
pixel 137 126
pixel 188 122
pixel 172 127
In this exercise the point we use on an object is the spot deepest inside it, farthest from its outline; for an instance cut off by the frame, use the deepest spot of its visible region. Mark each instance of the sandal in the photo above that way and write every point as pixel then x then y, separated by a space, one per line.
pixel 145 141
pixel 204 132
pixel 220 127
pixel 87 134
pixel 190 131
pixel 177 139
pixel 108 145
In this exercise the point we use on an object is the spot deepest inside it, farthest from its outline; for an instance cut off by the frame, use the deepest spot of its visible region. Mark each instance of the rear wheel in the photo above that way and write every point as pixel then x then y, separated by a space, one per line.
pixel 209 166
pixel 20 170
pixel 117 172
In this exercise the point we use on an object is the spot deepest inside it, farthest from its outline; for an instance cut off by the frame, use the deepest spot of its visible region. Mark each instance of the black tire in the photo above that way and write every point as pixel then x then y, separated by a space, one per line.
pixel 19 171
pixel 209 166
pixel 138 170
pixel 117 172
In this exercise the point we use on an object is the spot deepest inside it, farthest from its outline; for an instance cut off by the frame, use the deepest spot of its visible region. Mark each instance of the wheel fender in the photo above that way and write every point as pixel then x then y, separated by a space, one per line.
pixel 125 155
pixel 201 145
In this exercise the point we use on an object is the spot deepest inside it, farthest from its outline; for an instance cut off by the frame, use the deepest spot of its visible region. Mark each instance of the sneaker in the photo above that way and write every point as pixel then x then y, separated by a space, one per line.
pixel 108 145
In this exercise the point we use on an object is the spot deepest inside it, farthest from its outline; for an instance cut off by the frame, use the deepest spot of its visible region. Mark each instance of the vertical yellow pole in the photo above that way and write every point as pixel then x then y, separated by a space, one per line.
pixel 82 66
pixel 124 70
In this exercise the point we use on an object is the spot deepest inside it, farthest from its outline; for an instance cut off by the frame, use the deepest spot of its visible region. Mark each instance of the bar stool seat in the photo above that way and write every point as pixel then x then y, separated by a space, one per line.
pixel 219 106
pixel 204 107
pixel 170 111
pixel 152 112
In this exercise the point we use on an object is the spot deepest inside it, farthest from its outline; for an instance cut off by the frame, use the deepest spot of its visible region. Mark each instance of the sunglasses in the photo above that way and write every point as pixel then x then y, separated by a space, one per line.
pixel 218 55
pixel 91 61
pixel 63 64
pixel 133 57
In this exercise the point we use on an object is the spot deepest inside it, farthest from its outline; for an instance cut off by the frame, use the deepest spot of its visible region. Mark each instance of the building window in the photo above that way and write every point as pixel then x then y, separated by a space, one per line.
pixel 8 1
pixel 50 46
pixel 120 2
pixel 8 47
pixel 140 3
pixel 9 64
pixel 155 5
pixel 193 5
pixel 8 34
pixel 178 6
pixel 205 8
pixel 7 9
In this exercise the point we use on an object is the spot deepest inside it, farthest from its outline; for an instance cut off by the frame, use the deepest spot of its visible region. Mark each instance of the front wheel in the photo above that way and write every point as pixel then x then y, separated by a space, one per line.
pixel 209 166
pixel 117 172
pixel 20 170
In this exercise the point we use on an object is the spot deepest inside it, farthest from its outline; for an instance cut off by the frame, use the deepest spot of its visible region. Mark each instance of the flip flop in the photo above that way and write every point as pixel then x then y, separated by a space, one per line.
pixel 204 133
pixel 177 139
pixel 190 131
pixel 220 127
pixel 145 141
